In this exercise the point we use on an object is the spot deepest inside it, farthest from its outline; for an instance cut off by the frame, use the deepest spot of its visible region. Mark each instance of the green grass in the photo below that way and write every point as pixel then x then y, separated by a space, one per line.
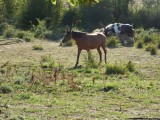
pixel 28 89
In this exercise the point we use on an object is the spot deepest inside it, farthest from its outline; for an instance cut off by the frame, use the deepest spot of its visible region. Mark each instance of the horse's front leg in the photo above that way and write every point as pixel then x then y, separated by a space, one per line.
pixel 100 54
pixel 79 52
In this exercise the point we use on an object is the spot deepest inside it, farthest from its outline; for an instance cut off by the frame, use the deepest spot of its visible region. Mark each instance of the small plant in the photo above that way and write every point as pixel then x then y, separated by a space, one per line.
pixel 37 47
pixel 129 42
pixel 70 43
pixel 110 87
pixel 24 96
pixel 153 51
pixel 147 39
pixel 28 39
pixel 9 31
pixel 130 66
pixel 158 45
pixel 47 62
pixel 115 69
pixel 112 42
pixel 139 44
pixel 5 89
pixel 20 34
pixel 90 61
pixel 39 29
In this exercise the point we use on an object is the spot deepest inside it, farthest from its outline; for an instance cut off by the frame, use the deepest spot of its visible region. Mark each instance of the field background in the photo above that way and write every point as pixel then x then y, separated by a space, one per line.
pixel 38 80
pixel 130 96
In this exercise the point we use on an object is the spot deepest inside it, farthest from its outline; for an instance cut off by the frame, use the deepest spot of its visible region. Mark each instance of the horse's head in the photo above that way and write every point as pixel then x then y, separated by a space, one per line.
pixel 108 29
pixel 67 37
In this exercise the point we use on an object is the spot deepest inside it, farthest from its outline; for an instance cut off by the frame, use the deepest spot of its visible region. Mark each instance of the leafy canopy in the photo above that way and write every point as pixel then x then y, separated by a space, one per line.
pixel 76 2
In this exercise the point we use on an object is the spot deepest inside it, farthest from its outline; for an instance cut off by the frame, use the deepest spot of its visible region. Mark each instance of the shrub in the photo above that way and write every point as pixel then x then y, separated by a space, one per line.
pixel 5 89
pixel 153 51
pixel 110 87
pixel 115 69
pixel 37 47
pixel 39 29
pixel 112 42
pixel 130 66
pixel 149 47
pixel 9 31
pixel 47 62
pixel 129 42
pixel 147 39
pixel 69 43
pixel 90 61
pixel 20 34
pixel 28 39
pixel 24 96
pixel 158 45
pixel 139 44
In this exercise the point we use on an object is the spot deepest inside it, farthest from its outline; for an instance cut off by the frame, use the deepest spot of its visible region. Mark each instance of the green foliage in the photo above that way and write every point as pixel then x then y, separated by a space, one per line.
pixel 147 39
pixel 47 62
pixel 115 69
pixel 130 66
pixel 23 96
pixel 90 61
pixel 9 31
pixel 112 41
pixel 110 87
pixel 37 47
pixel 139 44
pixel 152 49
pixel 119 68
pixel 40 28
pixel 5 89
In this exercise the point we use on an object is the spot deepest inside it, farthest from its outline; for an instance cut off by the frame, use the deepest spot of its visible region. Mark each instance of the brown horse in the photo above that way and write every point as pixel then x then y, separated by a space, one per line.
pixel 87 41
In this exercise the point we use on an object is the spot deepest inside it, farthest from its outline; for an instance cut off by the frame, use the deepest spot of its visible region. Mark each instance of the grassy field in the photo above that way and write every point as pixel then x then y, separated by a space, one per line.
pixel 42 84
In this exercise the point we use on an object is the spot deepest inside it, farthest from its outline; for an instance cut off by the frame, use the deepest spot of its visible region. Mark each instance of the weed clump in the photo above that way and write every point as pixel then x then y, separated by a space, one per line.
pixel 152 49
pixel 37 47
pixel 5 89
pixel 90 61
pixel 115 69
pixel 110 87
pixel 112 42
pixel 119 68
pixel 139 44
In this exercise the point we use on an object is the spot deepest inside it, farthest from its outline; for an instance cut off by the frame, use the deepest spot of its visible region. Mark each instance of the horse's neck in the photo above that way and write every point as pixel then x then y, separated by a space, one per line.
pixel 77 36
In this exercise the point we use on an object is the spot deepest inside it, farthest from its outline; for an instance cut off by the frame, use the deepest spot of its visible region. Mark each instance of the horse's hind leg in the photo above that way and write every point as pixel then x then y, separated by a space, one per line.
pixel 105 52
pixel 79 52
pixel 100 54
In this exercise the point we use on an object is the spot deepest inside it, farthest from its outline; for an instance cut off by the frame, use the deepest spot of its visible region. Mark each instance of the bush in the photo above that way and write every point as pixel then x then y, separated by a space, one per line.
pixel 147 39
pixel 47 62
pixel 112 41
pixel 69 43
pixel 140 44
pixel 115 69
pixel 5 89
pixel 130 66
pixel 158 45
pixel 119 68
pixel 37 47
pixel 20 34
pixel 9 31
pixel 153 51
pixel 39 29
pixel 90 61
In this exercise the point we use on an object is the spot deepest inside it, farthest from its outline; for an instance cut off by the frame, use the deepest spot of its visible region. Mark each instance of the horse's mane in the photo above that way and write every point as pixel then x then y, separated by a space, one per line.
pixel 78 34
